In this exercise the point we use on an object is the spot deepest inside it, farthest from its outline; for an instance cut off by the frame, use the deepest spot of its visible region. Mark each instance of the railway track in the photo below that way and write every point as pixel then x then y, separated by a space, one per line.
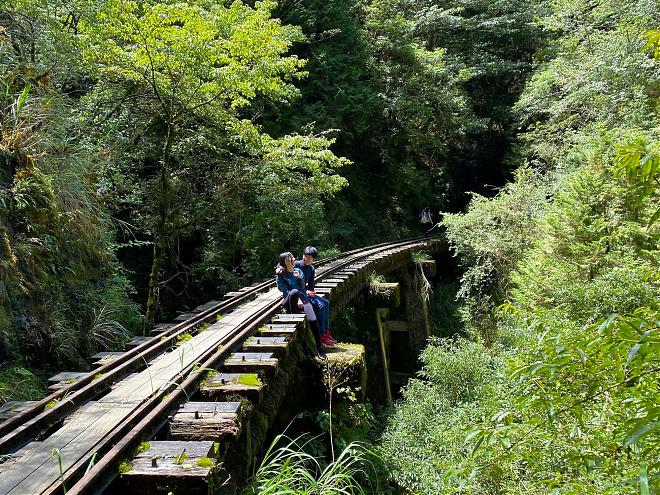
pixel 141 420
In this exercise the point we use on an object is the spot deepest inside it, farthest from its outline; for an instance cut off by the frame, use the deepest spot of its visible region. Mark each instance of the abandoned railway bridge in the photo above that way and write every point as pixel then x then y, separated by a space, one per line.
pixel 186 409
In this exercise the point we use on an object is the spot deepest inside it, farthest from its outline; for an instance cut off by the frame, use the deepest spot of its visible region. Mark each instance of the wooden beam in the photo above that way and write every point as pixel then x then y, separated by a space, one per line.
pixel 383 355
pixel 396 325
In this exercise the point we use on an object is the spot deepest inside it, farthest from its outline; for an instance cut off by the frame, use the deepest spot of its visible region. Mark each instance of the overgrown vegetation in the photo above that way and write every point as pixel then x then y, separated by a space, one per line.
pixel 153 153
pixel 287 468
pixel 555 391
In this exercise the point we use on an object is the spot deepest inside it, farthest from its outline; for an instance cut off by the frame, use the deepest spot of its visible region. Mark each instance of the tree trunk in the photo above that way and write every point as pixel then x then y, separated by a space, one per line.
pixel 160 236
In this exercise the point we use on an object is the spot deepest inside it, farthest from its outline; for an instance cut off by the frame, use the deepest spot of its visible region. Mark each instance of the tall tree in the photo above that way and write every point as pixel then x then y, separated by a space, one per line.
pixel 179 64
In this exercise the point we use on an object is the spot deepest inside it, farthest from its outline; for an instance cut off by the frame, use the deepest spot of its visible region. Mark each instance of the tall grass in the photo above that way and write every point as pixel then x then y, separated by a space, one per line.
pixel 288 469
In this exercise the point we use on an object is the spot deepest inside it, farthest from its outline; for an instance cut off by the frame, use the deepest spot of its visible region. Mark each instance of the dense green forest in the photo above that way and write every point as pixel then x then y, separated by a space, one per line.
pixel 157 153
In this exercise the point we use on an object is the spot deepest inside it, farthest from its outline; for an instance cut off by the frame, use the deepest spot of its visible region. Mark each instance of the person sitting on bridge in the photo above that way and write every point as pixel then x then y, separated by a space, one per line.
pixel 290 281
pixel 320 304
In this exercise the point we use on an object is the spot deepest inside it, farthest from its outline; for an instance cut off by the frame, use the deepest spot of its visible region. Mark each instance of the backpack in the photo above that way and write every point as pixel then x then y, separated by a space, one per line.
pixel 425 216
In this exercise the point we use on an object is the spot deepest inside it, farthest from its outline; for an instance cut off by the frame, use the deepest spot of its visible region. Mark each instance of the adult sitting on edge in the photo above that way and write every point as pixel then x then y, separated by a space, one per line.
pixel 290 280
pixel 320 304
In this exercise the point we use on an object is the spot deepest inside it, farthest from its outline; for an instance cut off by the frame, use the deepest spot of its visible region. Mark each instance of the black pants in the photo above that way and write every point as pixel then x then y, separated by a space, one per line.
pixel 290 301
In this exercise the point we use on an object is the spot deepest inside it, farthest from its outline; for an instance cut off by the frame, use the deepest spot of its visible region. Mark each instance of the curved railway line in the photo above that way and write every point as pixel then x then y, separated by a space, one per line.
pixel 24 437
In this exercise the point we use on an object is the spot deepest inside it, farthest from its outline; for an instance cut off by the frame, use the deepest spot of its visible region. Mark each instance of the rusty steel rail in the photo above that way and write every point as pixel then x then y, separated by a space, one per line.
pixel 18 430
pixel 132 430
pixel 23 427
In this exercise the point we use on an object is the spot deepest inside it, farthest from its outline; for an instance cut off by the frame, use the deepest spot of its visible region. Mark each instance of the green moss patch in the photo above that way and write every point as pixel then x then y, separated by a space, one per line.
pixel 205 462
pixel 184 337
pixel 125 467
pixel 143 447
pixel 250 380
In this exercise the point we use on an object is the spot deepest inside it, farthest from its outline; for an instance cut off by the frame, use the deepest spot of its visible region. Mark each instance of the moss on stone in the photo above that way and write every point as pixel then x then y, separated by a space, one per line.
pixel 143 447
pixel 205 462
pixel 125 467
pixel 184 337
pixel 250 380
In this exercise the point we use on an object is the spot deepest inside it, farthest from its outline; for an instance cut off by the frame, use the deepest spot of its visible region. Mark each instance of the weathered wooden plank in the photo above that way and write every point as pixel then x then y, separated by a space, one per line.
pixel 324 285
pixel 212 408
pixel 205 421
pixel 136 341
pixel 396 325
pixel 282 326
pixel 232 294
pixel 184 317
pixel 171 466
pixel 249 362
pixel 251 356
pixel 295 318
pixel 67 376
pixel 205 306
pixel 217 428
pixel 277 345
pixel 103 355
pixel 160 329
pixel 247 385
pixel 103 358
pixel 13 407
pixel 37 469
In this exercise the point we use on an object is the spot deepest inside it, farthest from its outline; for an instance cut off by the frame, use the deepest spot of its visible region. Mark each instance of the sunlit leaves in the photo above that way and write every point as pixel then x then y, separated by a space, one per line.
pixel 193 54
pixel 653 42
pixel 639 162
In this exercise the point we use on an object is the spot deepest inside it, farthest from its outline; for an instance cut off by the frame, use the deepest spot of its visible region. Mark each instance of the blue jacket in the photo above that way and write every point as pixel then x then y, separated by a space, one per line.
pixel 288 282
pixel 309 273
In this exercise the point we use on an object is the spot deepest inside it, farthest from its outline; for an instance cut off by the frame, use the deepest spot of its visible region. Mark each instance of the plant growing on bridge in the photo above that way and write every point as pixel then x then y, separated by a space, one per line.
pixel 56 454
pixel 289 469
pixel 422 284
pixel 377 285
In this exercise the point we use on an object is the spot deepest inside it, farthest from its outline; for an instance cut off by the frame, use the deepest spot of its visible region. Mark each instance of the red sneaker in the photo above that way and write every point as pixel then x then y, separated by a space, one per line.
pixel 334 341
pixel 326 340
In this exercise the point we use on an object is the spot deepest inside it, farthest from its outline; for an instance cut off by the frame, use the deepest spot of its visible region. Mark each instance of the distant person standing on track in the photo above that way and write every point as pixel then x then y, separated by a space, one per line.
pixel 426 220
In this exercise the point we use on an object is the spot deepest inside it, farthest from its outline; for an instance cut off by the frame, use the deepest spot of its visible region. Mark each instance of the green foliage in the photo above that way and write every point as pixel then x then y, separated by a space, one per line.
pixel 19 383
pixel 569 403
pixel 444 310
pixel 288 469
pixel 425 438
pixel 57 254
pixel 594 73
pixel 489 239
pixel 595 251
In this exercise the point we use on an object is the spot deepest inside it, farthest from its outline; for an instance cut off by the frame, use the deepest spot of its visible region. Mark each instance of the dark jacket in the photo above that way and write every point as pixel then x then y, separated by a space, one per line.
pixel 309 272
pixel 288 281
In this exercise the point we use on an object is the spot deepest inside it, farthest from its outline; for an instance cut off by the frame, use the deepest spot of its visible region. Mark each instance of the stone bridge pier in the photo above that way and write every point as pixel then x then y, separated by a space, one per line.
pixel 387 310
